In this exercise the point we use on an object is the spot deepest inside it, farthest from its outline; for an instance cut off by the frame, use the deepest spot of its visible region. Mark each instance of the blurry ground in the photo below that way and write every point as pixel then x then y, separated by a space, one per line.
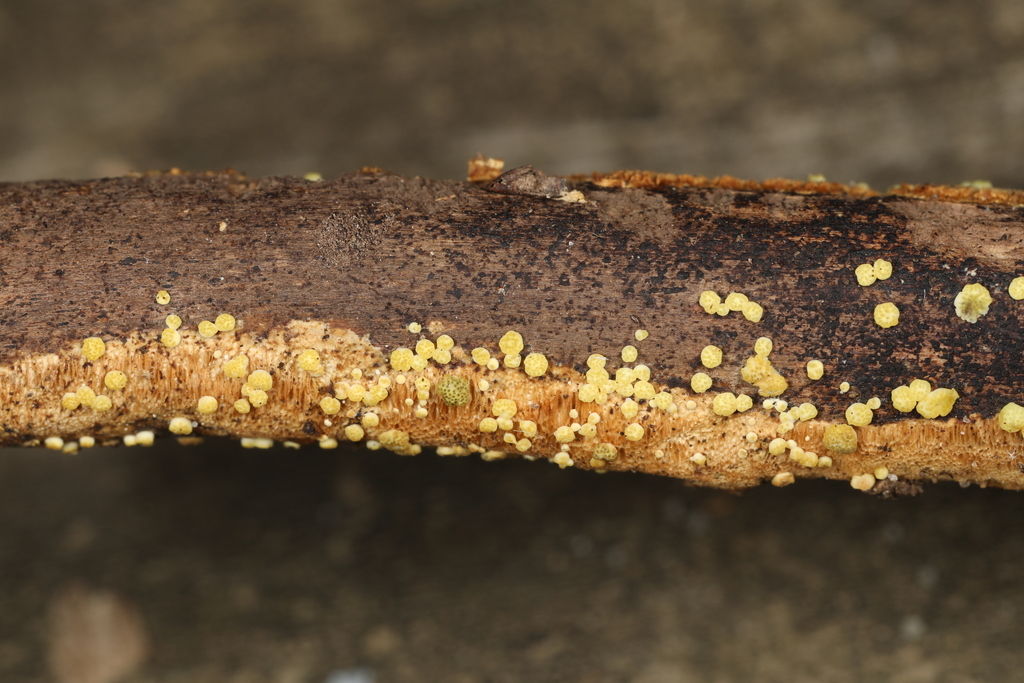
pixel 284 567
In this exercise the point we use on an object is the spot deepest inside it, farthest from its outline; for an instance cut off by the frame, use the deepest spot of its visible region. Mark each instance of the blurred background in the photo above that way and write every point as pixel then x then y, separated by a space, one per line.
pixel 212 563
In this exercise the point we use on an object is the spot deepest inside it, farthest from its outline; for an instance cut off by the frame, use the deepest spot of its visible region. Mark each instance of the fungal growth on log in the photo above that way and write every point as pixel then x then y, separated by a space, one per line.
pixel 790 330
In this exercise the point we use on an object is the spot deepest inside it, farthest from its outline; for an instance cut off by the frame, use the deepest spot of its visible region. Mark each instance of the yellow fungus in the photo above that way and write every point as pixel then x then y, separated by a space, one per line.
pixel 700 383
pixel 874 403
pixel 170 337
pixel 777 446
pixel 241 406
pixel 207 405
pixel 483 385
pixel 180 425
pixel 972 302
pixel 225 322
pixel 355 393
pixel 258 398
pixel 508 438
pixel 903 399
pixel 425 348
pixel 309 360
pixel 237 367
pixel 711 356
pixel 938 403
pixel 783 479
pixel 328 443
pixel 763 346
pixel 114 380
pixel 511 343
pixel 724 404
pixel 721 309
pixel 920 388
pixel 504 407
pixel 629 408
pixel 441 356
pixel 596 361
pixel 634 432
pixel 260 379
pixel 415 328
pixel 881 473
pixel 207 329
pixel 887 315
pixel 662 400
pixel 756 369
pixel 505 423
pixel 882 269
pixel 1016 289
pixel 1011 417
pixel 863 482
pixel 644 391
pixel 101 403
pixel 744 403
pixel 772 385
pixel 454 390
pixel 513 360
pixel 751 437
pixel 445 342
pixel 54 443
pixel 330 405
pixel 753 312
pixel 480 355
pixel 588 431
pixel 642 372
pixel 640 335
pixel 840 439
pixel 807 411
pixel 70 401
pixel 709 301
pixel 370 420
pixel 736 301
pixel 865 273
pixel 85 396
pixel 528 427
pixel 699 459
pixel 564 434
pixel 401 359
pixel 523 445
pixel 89 442
pixel 844 387
pixel 588 393
pixel 163 297
pixel 562 460
pixel 420 412
pixel 781 405
pixel 629 353
pixel 859 415
pixel 172 321
pixel 824 461
pixel 815 369
pixel 93 348
pixel 535 364
pixel 354 432
pixel 605 451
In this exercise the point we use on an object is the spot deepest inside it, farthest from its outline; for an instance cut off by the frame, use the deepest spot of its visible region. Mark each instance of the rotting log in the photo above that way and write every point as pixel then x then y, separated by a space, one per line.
pixel 323 280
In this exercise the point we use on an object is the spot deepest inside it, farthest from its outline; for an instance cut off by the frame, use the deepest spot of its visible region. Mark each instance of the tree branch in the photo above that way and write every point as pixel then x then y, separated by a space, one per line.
pixel 343 267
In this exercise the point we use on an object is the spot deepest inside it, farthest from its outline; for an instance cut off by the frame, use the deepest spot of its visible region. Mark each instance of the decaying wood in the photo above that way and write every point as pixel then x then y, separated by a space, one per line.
pixel 344 266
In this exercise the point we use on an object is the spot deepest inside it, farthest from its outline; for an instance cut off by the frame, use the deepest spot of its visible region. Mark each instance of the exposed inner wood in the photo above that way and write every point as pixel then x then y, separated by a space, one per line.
pixel 344 266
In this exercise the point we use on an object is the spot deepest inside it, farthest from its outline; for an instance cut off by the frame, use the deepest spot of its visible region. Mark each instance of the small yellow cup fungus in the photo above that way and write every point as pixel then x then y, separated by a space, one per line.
pixel 425 348
pixel 903 399
pixel 629 353
pixel 763 346
pixel 163 297
pixel 753 311
pixel 207 329
pixel 441 356
pixel 588 431
pixel 777 446
pixel 454 390
pixel 783 479
pixel 172 321
pixel 85 396
pixel 1011 417
pixel 724 404
pixel 859 415
pixel 355 393
pixel 170 337
pixel 93 348
pixel 237 367
pixel 662 400
pixel 735 301
pixel 642 373
pixel 70 401
pixel 260 379
pixel 415 328
pixel 101 403
pixel 114 380
pixel 354 432
pixel 564 434
pixel 629 408
pixel 180 425
pixel 700 383
pixel 523 445
pixel 634 431
pixel 711 356
pixel 772 385
pixel 328 443
pixel 445 342
pixel 920 388
pixel 401 359
pixel 709 301
pixel 588 393
pixel 535 364
pixel 241 406
pixel 605 451
pixel 863 482
pixel 330 405
pixel 840 439
pixel 1016 289
pixel 512 360
pixel 882 269
pixel 504 407
pixel 887 314
pixel 225 322
pixel 815 369
pixel 480 355
pixel 874 403
pixel 644 391
pixel 972 302
pixel 641 335
pixel 207 405
pixel 938 403
pixel 309 360
pixel 511 343
pixel 865 274
pixel 744 403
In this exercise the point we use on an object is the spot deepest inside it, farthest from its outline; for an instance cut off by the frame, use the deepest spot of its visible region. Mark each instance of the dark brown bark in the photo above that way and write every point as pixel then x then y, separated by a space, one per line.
pixel 374 251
